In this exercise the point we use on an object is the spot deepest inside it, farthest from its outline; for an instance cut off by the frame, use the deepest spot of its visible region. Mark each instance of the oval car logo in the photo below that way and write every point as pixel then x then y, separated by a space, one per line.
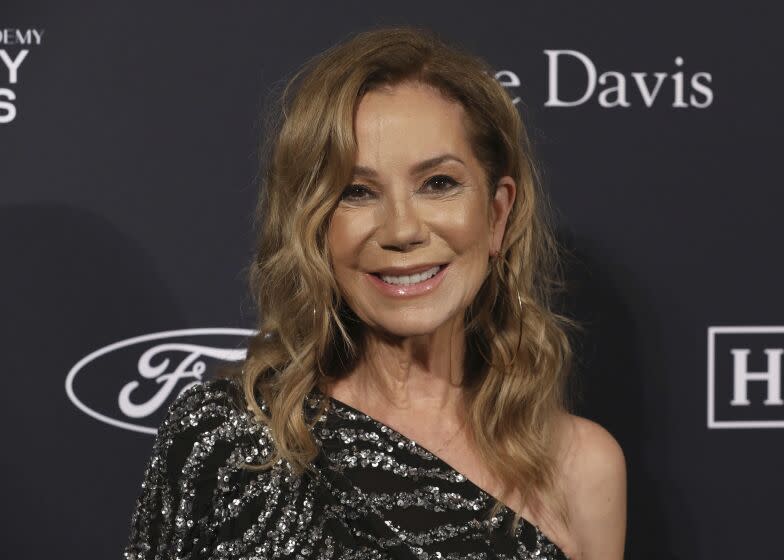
pixel 130 384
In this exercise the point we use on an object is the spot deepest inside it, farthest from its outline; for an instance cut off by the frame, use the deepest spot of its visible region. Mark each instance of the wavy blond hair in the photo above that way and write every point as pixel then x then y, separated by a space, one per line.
pixel 517 351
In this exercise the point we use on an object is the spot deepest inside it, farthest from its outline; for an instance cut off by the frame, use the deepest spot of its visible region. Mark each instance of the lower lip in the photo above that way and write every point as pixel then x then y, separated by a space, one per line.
pixel 406 290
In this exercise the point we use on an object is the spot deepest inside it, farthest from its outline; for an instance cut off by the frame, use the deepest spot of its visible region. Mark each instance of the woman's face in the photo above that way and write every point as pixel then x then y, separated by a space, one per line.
pixel 418 200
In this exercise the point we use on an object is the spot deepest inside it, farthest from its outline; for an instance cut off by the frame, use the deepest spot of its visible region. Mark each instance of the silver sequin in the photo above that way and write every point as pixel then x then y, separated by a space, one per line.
pixel 376 494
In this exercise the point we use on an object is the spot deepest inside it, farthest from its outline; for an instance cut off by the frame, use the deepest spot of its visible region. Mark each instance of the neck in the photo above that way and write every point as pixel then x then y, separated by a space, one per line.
pixel 419 374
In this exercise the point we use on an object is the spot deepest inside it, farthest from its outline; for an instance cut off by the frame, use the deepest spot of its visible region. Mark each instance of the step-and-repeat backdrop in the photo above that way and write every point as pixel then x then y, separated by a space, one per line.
pixel 128 154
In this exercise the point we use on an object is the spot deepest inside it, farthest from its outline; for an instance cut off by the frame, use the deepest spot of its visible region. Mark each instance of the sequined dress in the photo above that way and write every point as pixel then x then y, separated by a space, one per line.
pixel 376 494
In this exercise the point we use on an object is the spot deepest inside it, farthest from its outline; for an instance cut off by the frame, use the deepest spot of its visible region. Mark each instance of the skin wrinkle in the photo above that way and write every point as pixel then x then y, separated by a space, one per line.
pixel 519 403
pixel 412 371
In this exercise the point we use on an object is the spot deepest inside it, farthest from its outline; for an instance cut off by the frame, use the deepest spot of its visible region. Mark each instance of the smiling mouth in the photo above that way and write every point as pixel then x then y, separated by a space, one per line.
pixel 410 279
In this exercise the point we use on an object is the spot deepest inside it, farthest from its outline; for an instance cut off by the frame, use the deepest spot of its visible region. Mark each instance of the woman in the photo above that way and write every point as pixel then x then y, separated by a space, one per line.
pixel 404 397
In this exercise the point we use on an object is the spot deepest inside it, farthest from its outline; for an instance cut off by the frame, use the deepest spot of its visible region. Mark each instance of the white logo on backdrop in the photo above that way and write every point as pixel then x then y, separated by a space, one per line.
pixel 615 88
pixel 730 378
pixel 155 365
pixel 619 89
pixel 11 60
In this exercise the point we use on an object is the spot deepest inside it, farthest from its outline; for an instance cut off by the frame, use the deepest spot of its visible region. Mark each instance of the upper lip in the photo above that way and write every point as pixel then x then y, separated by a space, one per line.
pixel 406 270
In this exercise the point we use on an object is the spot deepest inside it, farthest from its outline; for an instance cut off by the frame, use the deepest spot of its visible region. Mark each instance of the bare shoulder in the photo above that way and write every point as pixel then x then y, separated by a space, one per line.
pixel 593 470
pixel 589 451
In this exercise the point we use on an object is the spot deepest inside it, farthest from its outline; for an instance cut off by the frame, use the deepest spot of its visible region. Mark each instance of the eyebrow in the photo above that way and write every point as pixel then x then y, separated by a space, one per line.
pixel 417 168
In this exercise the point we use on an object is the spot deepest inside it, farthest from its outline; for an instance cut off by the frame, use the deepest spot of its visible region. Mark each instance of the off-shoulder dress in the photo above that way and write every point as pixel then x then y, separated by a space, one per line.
pixel 375 494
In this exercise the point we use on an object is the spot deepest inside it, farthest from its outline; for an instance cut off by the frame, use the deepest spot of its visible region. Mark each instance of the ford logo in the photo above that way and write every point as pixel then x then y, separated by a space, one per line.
pixel 146 373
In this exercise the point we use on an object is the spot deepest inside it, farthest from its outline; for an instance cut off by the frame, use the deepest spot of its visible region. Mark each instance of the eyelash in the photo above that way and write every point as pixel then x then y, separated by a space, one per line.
pixel 452 184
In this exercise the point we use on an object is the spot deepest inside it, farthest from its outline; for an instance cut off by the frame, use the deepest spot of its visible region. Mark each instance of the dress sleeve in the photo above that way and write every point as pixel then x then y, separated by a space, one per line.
pixel 173 508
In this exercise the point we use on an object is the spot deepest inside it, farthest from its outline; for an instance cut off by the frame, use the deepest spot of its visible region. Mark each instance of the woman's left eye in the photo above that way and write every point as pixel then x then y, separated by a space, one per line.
pixel 442 182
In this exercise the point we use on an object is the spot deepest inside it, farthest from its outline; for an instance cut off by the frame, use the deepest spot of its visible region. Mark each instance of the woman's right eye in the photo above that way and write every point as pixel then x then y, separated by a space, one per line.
pixel 355 193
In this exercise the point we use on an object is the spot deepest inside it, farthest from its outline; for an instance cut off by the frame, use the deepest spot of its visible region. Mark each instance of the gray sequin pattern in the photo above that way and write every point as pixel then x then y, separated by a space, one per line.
pixel 375 494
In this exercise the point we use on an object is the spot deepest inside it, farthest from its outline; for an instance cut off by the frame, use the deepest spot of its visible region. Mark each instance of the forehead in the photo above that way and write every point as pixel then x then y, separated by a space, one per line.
pixel 409 121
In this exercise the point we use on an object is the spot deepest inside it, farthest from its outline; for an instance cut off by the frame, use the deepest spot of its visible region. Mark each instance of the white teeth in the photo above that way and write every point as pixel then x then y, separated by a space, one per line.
pixel 413 279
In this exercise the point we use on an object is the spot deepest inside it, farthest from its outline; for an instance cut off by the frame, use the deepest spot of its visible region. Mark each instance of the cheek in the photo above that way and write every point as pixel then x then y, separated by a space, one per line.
pixel 463 225
pixel 346 237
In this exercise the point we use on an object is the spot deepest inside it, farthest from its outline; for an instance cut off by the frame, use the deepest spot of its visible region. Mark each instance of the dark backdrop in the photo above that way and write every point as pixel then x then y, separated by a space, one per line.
pixel 127 162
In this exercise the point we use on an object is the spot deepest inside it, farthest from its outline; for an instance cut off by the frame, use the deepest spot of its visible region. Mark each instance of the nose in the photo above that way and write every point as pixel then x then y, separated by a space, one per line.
pixel 401 225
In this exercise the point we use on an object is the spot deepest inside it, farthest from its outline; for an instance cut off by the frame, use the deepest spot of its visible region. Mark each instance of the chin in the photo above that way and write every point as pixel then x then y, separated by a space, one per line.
pixel 414 326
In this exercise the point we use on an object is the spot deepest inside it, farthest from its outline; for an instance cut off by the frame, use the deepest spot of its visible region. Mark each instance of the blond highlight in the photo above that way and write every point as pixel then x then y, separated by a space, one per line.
pixel 518 354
